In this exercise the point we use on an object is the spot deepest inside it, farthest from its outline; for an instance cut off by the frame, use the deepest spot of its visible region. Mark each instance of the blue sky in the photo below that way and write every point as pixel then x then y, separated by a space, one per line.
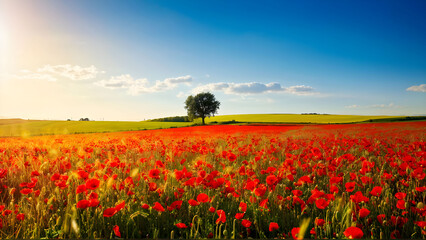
pixel 135 60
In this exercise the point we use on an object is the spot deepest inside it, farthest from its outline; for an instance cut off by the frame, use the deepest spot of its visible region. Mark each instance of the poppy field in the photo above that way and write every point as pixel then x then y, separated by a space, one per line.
pixel 317 181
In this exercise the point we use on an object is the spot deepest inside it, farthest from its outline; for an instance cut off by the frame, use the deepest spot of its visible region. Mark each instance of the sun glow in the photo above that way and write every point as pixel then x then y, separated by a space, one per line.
pixel 3 45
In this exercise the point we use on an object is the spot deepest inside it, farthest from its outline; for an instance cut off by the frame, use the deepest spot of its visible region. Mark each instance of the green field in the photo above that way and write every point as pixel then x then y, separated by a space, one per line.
pixel 297 118
pixel 19 127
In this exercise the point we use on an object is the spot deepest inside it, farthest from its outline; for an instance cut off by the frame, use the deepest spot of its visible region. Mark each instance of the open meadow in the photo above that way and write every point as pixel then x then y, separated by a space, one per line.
pixel 295 181
pixel 25 128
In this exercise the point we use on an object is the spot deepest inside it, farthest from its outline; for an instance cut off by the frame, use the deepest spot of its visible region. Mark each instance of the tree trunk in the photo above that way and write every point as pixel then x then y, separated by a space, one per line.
pixel 203 120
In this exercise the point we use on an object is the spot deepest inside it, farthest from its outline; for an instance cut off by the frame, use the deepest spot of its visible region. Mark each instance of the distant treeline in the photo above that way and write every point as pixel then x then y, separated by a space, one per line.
pixel 315 114
pixel 171 119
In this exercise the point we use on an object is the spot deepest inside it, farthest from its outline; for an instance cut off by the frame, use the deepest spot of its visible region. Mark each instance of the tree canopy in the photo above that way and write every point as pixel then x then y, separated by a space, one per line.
pixel 201 106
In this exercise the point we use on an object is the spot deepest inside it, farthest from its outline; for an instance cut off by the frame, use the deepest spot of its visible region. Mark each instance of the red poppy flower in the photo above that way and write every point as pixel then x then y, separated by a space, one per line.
pixel 334 189
pixel 246 223
pixel 319 222
pixel 381 218
pixel 145 206
pixel 176 204
pixel 35 173
pixel 295 232
pixel 418 173
pixel 297 192
pixel 305 179
pixel 7 212
pixel 273 226
pixel 157 206
pixel 264 203
pixel 363 212
pixel 120 206
pixel 395 234
pixel 93 195
pixel 353 233
pixel 350 186
pixel 32 184
pixel 202 197
pixel 109 212
pixel 376 191
pixel 271 180
pixel 232 157
pixel 260 190
pixel 83 174
pixel 400 195
pixel 154 173
pixel 239 215
pixel 116 231
pixel 243 207
pixel 193 203
pixel 242 170
pixel 212 209
pixel 400 204
pixel 152 186
pixel 181 225
pixel 421 224
pixel 321 203
pixel 93 202
pixel 20 217
pixel 92 183
pixel 26 191
pixel 55 177
pixel 81 188
pixel 221 218
pixel 83 204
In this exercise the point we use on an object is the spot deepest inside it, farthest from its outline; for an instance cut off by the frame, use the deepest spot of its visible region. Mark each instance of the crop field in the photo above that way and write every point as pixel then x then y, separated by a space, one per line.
pixel 19 127
pixel 296 118
pixel 24 128
pixel 316 181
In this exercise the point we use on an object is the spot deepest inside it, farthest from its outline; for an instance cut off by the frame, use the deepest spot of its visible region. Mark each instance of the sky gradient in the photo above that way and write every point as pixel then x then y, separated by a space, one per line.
pixel 135 60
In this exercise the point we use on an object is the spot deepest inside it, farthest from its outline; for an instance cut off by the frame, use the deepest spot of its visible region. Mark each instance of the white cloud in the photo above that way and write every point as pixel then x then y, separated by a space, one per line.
pixel 49 73
pixel 72 72
pixel 253 88
pixel 390 105
pixel 419 88
pixel 353 106
pixel 181 95
pixel 138 86
pixel 184 79
pixel 300 90
pixel 26 74
pixel 122 81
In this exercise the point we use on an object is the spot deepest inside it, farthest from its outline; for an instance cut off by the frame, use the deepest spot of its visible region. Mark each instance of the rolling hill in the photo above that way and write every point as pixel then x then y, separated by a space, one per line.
pixel 23 128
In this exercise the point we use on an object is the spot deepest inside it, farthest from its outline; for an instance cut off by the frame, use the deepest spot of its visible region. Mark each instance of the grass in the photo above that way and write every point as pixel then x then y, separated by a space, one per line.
pixel 24 128
pixel 19 127
pixel 296 118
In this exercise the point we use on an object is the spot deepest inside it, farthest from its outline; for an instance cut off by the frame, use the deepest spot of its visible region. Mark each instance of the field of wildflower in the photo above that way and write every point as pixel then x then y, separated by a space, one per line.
pixel 323 181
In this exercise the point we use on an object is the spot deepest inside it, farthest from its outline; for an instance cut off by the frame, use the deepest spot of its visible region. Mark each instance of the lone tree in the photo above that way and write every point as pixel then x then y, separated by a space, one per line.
pixel 202 105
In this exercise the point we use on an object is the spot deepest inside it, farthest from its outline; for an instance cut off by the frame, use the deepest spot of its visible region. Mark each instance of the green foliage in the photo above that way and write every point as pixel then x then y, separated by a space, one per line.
pixel 171 119
pixel 201 106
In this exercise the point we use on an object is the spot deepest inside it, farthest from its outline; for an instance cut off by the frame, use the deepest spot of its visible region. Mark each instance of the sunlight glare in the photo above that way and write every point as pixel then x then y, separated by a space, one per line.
pixel 3 44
